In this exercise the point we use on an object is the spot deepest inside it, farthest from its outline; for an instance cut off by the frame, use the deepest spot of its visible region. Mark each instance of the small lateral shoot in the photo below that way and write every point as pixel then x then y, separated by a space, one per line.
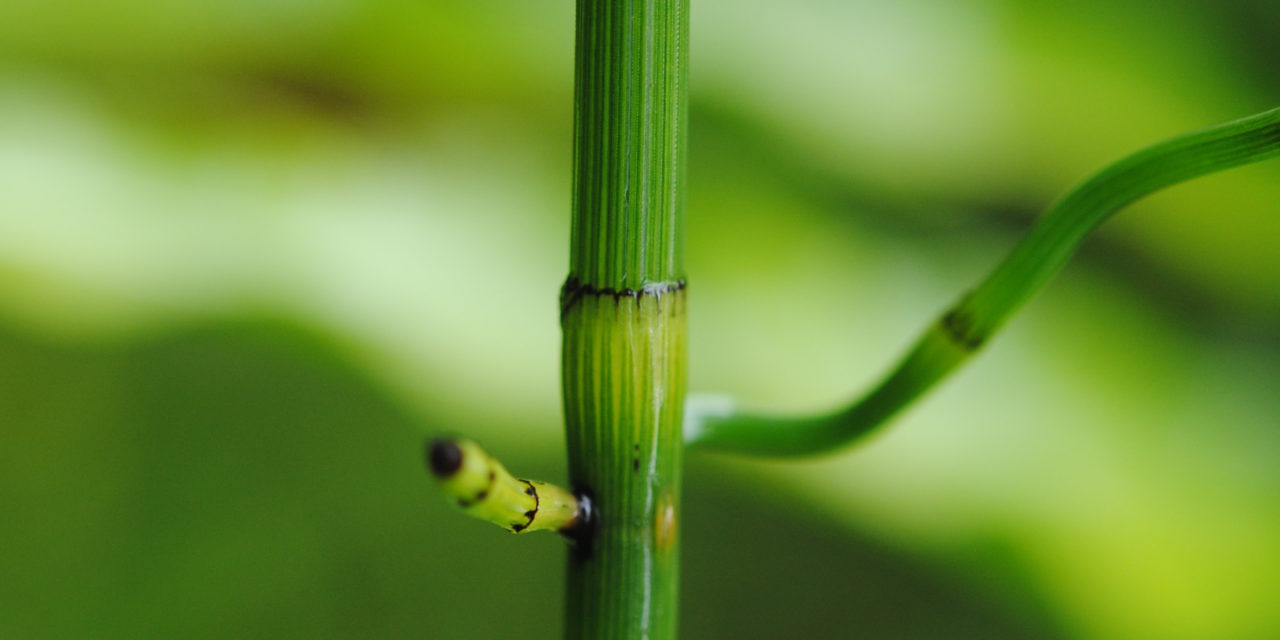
pixel 479 485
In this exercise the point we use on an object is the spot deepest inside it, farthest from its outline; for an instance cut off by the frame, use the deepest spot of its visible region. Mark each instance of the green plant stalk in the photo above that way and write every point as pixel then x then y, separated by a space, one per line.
pixel 967 326
pixel 622 312
pixel 624 379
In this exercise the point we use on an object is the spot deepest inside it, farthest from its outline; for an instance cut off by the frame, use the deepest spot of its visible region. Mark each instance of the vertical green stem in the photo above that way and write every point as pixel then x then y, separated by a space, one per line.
pixel 622 311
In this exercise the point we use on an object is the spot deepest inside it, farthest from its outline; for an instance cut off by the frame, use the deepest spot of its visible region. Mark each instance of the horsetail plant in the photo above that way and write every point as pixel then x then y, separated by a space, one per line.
pixel 622 311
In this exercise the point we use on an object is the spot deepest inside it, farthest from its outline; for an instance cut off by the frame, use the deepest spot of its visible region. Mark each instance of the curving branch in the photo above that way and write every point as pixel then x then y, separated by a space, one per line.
pixel 713 422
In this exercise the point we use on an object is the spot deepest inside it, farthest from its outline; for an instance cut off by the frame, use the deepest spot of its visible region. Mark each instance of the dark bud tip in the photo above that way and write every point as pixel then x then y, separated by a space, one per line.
pixel 444 457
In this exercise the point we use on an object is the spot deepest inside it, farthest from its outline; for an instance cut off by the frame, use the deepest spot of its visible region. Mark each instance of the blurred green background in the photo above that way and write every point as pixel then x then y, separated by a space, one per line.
pixel 252 253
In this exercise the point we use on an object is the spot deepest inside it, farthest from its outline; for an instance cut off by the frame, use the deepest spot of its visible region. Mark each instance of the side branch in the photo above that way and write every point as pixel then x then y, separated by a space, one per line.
pixel 484 489
pixel 715 423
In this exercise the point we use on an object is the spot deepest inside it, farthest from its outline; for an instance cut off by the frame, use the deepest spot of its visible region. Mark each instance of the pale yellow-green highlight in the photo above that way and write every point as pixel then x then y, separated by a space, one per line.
pixel 484 489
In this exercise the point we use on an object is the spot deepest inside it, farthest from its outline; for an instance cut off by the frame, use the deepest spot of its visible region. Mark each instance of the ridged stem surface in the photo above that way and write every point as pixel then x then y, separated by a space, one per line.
pixel 622 312
pixel 624 378
pixel 629 142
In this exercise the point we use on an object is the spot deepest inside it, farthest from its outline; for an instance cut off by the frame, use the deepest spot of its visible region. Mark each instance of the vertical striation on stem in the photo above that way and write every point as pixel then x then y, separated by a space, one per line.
pixel 622 312
pixel 630 108
pixel 624 379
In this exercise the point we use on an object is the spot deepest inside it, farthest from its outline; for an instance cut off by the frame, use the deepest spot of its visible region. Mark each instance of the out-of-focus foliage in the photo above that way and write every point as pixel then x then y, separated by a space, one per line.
pixel 251 252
